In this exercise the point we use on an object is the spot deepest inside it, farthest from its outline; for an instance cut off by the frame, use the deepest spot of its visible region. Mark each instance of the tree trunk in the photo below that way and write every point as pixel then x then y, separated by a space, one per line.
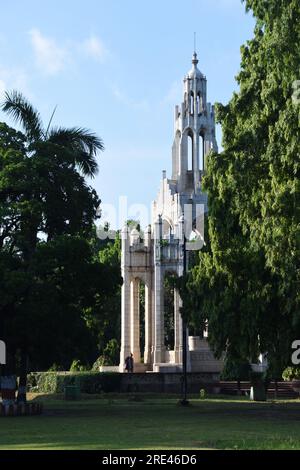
pixel 22 388
pixel 258 387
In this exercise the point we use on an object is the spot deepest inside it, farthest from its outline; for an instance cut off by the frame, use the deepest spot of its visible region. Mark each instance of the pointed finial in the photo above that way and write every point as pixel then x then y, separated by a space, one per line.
pixel 195 60
pixel 195 42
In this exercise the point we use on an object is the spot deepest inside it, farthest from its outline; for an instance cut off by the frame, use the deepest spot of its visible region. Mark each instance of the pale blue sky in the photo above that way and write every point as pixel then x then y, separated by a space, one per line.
pixel 116 67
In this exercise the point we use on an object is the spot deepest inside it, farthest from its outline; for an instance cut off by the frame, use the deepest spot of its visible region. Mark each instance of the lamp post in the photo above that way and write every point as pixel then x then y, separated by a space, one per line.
pixel 195 245
pixel 184 401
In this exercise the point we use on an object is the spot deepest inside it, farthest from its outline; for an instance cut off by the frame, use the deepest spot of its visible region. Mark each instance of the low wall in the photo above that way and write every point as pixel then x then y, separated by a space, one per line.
pixel 168 382
pixel 110 382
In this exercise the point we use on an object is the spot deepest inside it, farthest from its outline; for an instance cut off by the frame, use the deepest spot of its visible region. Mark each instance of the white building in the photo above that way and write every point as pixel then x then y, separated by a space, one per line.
pixel 161 250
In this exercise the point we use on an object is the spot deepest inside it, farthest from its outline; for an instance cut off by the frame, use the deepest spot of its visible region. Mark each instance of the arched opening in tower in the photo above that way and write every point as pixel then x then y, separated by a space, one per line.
pixel 192 102
pixel 190 152
pixel 201 152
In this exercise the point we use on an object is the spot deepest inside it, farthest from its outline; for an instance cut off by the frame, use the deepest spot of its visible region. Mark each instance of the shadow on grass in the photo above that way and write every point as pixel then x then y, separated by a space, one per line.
pixel 113 421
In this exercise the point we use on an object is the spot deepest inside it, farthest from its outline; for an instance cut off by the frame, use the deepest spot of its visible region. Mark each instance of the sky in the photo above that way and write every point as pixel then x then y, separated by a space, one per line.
pixel 116 67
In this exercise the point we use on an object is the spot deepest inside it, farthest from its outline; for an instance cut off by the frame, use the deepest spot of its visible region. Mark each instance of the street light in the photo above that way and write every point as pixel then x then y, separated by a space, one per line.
pixel 184 401
pixel 196 245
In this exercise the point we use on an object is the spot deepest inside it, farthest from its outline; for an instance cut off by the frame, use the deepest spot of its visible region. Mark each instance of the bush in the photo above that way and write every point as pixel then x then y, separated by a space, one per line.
pixel 110 356
pixel 291 373
pixel 77 366
pixel 112 353
pixel 88 382
pixel 98 363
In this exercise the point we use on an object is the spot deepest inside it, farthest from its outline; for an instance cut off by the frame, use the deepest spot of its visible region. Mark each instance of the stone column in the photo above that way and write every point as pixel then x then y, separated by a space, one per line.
pixel 183 163
pixel 159 347
pixel 135 320
pixel 153 317
pixel 125 300
pixel 125 322
pixel 148 320
pixel 148 298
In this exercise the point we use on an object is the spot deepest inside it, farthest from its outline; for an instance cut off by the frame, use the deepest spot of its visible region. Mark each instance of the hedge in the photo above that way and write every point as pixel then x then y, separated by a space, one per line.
pixel 89 382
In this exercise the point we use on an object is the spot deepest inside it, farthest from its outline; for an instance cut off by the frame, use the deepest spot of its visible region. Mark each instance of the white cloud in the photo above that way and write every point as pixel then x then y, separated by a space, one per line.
pixel 95 48
pixel 50 57
pixel 14 78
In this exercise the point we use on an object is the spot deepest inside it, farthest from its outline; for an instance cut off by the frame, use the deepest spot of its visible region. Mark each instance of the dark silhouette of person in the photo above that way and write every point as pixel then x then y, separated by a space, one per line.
pixel 129 363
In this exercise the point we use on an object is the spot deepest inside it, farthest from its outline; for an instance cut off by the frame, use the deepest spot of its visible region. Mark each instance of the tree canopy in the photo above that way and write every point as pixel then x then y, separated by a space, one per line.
pixel 246 282
pixel 50 276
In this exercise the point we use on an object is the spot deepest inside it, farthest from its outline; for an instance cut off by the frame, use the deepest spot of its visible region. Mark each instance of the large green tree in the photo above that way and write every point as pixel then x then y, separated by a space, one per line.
pixel 247 280
pixel 105 317
pixel 47 212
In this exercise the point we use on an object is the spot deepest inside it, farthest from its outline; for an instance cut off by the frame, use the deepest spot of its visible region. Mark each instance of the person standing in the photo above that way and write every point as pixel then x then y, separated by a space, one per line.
pixel 129 363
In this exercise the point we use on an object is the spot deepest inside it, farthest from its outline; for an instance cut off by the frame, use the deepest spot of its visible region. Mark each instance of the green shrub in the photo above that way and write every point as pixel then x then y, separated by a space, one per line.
pixel 110 356
pixel 77 366
pixel 89 382
pixel 32 380
pixel 98 363
pixel 112 353
pixel 291 373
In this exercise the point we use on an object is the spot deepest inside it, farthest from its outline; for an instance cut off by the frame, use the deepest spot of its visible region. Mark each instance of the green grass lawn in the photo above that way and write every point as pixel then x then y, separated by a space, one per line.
pixel 155 423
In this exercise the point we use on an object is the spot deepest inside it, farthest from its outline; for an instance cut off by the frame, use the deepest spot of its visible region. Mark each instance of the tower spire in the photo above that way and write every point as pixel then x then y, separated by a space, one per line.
pixel 195 59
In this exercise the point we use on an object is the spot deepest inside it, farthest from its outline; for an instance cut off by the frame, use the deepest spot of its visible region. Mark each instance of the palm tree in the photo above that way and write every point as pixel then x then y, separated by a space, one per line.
pixel 82 145
pixel 77 147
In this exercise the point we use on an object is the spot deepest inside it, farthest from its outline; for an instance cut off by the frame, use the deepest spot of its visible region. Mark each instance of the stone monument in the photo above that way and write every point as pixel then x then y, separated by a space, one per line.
pixel 147 260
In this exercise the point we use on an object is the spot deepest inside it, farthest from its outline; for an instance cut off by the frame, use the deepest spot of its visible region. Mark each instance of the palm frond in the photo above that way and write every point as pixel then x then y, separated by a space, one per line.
pixel 50 122
pixel 82 143
pixel 16 106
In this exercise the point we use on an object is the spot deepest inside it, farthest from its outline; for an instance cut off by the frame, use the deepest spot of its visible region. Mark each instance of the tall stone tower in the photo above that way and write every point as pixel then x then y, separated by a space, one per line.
pixel 160 252
pixel 194 132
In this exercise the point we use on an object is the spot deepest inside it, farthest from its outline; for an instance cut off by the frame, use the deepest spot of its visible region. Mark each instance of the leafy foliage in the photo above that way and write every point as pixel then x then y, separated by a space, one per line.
pixel 247 280
pixel 77 366
pixel 291 373
pixel 50 276
pixel 88 382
